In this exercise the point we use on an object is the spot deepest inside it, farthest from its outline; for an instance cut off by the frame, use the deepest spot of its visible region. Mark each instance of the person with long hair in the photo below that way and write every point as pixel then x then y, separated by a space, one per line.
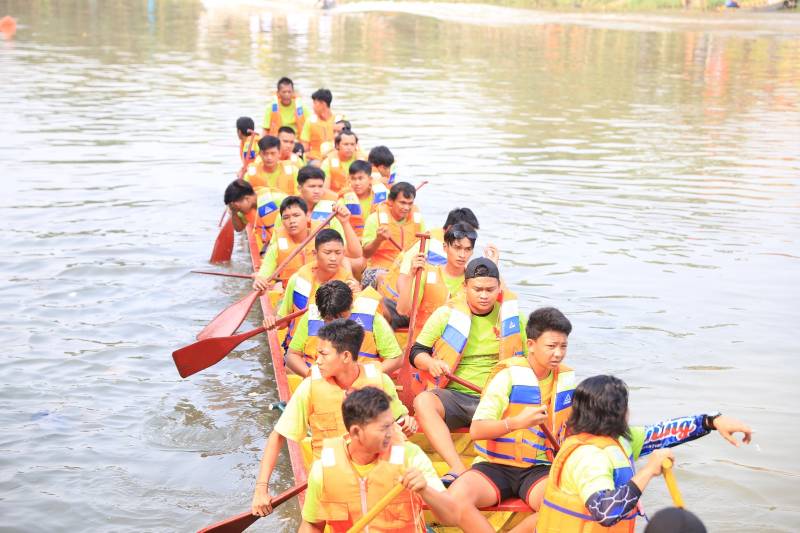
pixel 593 485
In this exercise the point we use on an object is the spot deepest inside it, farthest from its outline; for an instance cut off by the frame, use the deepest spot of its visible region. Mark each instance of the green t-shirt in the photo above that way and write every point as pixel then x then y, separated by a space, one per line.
pixel 385 341
pixel 588 469
pixel 495 400
pixel 287 114
pixel 482 348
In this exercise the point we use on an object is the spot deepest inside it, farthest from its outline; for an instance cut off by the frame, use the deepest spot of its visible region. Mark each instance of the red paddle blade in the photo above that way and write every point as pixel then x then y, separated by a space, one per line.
pixel 228 321
pixel 208 352
pixel 223 247
pixel 236 524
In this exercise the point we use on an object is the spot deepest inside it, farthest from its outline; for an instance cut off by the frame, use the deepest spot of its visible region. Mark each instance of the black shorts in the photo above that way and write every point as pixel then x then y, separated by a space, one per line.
pixel 396 320
pixel 459 407
pixel 512 481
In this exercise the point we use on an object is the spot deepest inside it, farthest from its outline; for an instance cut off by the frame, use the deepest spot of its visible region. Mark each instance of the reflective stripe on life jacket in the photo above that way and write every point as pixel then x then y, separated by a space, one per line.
pixel 522 447
pixel 283 178
pixel 450 346
pixel 248 148
pixel 353 204
pixel 266 214
pixel 276 121
pixel 325 403
pixel 346 496
pixel 561 511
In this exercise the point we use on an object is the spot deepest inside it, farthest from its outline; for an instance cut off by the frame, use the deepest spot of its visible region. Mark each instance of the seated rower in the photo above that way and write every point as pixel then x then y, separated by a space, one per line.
pixel 513 455
pixel 269 171
pixel 316 405
pixel 593 484
pixel 293 226
pixel 362 196
pixel 259 209
pixel 288 139
pixel 388 284
pixel 248 142
pixel 334 299
pixel 392 228
pixel 285 110
pixel 467 337
pixel 382 161
pixel 317 133
pixel 336 165
pixel 359 468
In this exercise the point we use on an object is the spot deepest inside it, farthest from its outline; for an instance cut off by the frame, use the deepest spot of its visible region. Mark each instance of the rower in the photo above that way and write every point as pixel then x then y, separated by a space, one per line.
pixel 382 161
pixel 392 224
pixel 483 326
pixel 288 139
pixel 336 165
pixel 286 109
pixel 593 484
pixel 340 125
pixel 513 455
pixel 316 404
pixel 269 171
pixel 248 142
pixel 317 133
pixel 334 299
pixel 434 249
pixel 248 207
pixel 359 468
pixel 363 195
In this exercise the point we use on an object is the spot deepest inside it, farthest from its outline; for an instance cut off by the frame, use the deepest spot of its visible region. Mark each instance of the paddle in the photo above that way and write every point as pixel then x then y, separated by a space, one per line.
pixel 208 352
pixel 229 320
pixel 223 246
pixel 407 395
pixel 226 274
pixel 364 521
pixel 471 386
pixel 672 485
pixel 240 522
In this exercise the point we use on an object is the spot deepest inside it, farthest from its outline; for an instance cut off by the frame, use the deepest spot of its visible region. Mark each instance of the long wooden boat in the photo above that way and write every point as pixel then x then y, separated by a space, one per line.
pixel 503 516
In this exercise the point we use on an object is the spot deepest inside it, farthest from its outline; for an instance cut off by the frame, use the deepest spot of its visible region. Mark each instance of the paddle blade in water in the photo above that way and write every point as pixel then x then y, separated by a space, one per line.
pixel 223 247
pixel 228 321
pixel 208 352
pixel 236 524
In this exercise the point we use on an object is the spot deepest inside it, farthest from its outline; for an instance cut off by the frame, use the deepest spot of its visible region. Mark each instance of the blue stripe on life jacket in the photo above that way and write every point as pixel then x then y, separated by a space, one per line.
pixel 300 301
pixel 509 326
pixel 364 320
pixel 267 208
pixel 563 399
pixel 527 394
pixel 274 107
pixel 454 338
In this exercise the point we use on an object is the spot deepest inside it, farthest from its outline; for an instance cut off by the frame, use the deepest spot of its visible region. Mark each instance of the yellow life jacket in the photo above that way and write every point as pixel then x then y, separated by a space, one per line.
pixel 248 149
pixel 306 284
pixel 522 447
pixel 388 182
pixel 450 346
pixel 285 247
pixel 320 136
pixel 337 172
pixel 325 405
pixel 276 121
pixel 266 213
pixel 566 512
pixel 346 496
pixel 404 234
pixel 353 204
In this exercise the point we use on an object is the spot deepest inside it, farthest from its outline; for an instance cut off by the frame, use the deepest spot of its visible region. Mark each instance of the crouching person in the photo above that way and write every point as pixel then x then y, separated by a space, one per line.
pixel 358 469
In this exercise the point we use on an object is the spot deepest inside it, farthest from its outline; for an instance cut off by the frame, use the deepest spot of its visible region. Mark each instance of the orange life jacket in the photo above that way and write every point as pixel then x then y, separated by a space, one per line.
pixel 521 448
pixel 337 172
pixel 567 512
pixel 248 148
pixel 286 246
pixel 325 405
pixel 346 497
pixel 306 285
pixel 283 178
pixel 275 120
pixel 363 312
pixel 404 234
pixel 265 215
pixel 320 136
pixel 353 204
pixel 450 346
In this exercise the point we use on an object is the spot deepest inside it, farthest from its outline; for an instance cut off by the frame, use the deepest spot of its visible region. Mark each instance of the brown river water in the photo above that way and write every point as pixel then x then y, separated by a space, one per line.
pixel 640 172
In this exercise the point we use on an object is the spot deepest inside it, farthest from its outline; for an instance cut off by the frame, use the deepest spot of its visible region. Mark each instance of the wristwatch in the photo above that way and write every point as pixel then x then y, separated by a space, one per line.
pixel 708 420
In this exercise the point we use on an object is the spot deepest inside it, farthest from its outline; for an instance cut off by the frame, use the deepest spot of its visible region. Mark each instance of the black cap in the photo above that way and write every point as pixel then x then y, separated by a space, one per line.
pixel 473 265
pixel 674 520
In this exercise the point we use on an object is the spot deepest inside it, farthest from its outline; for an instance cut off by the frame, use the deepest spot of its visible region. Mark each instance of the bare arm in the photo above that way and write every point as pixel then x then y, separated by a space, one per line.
pixel 404 287
pixel 390 365
pixel 238 223
pixel 262 501
pixel 308 527
pixel 296 363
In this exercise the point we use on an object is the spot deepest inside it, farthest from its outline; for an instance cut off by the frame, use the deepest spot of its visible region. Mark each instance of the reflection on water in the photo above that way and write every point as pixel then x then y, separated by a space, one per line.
pixel 641 174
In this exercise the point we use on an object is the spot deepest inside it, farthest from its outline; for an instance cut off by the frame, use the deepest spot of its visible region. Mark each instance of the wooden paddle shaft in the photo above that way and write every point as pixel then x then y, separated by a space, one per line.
pixel 364 521
pixel 240 522
pixel 405 372
pixel 672 484
pixel 300 247
pixel 471 386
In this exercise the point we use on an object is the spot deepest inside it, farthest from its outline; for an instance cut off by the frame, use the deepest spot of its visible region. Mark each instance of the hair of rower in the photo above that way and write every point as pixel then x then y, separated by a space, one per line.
pixel 461 214
pixel 327 235
pixel 362 406
pixel 338 138
pixel 268 141
pixel 381 156
pixel 547 319
pixel 290 201
pixel 245 125
pixel 323 95
pixel 310 172
pixel 236 190
pixel 458 231
pixel 285 81
pixel 345 335
pixel 600 407
pixel 408 190
pixel 360 166
pixel 333 298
